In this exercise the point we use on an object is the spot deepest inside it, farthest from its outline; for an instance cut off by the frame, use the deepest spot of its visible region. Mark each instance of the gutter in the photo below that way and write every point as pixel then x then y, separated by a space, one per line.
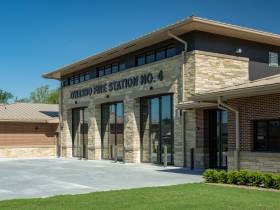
pixel 183 60
pixel 223 106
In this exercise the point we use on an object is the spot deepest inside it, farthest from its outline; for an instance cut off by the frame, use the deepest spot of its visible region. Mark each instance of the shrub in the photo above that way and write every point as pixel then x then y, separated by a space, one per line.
pixel 222 177
pixel 243 177
pixel 211 175
pixel 232 177
pixel 256 179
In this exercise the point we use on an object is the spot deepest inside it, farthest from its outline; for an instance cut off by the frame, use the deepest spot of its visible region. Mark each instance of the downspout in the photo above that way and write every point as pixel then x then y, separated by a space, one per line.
pixel 183 61
pixel 223 106
pixel 182 91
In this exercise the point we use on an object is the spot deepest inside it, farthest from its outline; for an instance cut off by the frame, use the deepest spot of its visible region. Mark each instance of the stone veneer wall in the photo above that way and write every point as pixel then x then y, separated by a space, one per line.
pixel 206 71
pixel 28 152
pixel 172 71
pixel 203 71
pixel 215 71
pixel 250 109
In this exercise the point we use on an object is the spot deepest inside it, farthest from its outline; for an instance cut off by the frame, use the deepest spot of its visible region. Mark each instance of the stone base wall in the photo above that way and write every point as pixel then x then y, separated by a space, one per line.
pixel 257 161
pixel 26 152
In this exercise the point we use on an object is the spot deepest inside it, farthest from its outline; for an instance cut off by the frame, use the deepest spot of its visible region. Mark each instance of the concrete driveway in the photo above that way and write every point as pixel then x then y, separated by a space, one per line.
pixel 30 178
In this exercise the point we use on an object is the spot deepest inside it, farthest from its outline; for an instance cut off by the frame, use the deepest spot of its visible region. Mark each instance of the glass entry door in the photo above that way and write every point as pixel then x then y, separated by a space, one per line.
pixel 156 129
pixel 218 139
pixel 80 132
pixel 112 131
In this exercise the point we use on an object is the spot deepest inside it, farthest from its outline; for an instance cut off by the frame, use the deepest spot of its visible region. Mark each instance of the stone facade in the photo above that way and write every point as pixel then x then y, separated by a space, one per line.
pixel 203 71
pixel 28 152
pixel 170 84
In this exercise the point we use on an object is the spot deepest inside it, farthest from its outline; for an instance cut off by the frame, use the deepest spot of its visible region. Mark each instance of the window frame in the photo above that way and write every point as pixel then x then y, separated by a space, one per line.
pixel 115 64
pixel 267 135
pixel 150 53
pixel 137 59
pixel 270 60
pixel 170 48
pixel 101 69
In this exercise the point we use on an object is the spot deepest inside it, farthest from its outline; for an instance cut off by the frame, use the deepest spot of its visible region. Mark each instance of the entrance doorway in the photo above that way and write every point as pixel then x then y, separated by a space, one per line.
pixel 218 138
pixel 156 129
pixel 112 120
pixel 79 132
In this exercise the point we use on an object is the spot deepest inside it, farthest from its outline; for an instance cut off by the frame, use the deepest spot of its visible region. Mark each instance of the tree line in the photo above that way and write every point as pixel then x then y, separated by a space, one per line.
pixel 42 94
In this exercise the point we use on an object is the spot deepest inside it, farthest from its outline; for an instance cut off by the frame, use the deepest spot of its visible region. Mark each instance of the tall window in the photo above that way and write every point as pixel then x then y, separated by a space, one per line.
pixel 273 59
pixel 267 135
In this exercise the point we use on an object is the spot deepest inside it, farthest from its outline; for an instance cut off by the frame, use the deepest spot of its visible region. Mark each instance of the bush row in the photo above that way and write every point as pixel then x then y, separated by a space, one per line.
pixel 242 177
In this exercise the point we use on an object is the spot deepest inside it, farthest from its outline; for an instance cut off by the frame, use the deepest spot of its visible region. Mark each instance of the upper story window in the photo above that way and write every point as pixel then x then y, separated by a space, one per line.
pixel 160 54
pixel 108 70
pixel 101 71
pixel 141 60
pixel 170 52
pixel 150 57
pixel 82 77
pixel 87 76
pixel 122 66
pixel 273 59
pixel 115 67
pixel 267 135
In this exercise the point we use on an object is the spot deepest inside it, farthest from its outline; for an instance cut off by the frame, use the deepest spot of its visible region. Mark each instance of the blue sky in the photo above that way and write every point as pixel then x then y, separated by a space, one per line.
pixel 38 36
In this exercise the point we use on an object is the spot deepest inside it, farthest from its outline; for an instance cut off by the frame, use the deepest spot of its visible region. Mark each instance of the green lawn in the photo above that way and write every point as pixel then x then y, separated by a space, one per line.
pixel 188 196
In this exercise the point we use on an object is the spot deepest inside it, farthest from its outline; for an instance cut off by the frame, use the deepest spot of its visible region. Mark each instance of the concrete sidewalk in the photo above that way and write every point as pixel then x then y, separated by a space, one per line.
pixel 30 178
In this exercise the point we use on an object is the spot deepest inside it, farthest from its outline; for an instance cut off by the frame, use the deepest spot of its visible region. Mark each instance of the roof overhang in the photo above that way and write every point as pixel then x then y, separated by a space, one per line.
pixel 179 28
pixel 238 93
pixel 195 105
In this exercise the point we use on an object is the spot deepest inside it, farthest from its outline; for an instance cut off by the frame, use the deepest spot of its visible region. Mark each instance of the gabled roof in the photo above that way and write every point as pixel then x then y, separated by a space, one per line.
pixel 28 112
pixel 268 85
pixel 187 25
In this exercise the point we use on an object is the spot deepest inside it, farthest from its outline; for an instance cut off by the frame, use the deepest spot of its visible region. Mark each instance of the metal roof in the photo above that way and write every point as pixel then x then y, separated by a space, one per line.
pixel 28 112
pixel 186 25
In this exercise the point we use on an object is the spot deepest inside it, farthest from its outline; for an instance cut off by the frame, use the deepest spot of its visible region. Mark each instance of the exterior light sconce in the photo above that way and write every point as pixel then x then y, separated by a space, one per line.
pixel 238 51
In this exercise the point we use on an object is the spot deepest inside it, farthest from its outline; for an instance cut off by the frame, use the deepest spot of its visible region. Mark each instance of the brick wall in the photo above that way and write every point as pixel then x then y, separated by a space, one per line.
pixel 250 109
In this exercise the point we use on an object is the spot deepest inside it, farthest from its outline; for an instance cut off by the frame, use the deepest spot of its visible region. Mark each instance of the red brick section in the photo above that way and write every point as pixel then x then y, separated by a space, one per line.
pixel 27 134
pixel 250 109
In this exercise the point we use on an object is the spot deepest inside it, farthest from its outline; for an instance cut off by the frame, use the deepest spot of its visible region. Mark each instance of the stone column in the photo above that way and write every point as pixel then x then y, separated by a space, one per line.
pixel 66 134
pixel 190 134
pixel 94 132
pixel 132 130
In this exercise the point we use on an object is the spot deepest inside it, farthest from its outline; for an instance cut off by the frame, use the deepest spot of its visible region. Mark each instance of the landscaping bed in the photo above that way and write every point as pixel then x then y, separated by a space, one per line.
pixel 243 177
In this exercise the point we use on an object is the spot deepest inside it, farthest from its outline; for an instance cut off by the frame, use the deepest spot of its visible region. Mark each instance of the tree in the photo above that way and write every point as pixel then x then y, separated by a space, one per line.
pixel 44 95
pixel 5 96
pixel 53 97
